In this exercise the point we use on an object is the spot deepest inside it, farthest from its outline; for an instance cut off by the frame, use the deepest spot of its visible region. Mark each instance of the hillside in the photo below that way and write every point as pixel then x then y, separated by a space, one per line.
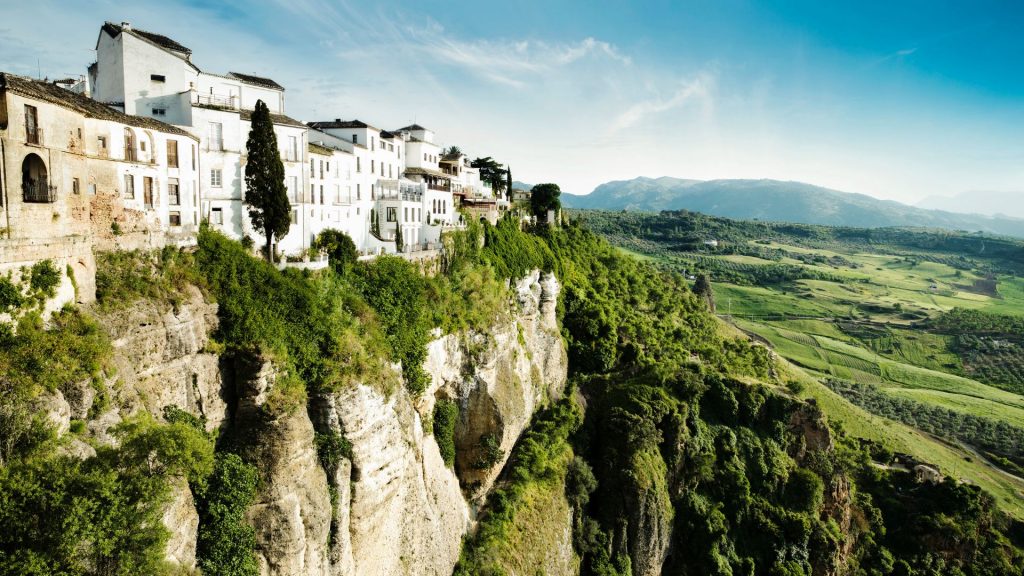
pixel 1010 204
pixel 584 407
pixel 774 200
pixel 919 328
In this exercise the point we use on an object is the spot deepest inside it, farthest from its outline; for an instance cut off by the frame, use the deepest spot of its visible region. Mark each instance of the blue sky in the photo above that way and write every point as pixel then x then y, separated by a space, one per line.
pixel 899 100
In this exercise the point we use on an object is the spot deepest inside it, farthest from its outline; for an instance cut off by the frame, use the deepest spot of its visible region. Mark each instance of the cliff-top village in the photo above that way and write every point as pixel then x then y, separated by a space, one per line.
pixel 146 146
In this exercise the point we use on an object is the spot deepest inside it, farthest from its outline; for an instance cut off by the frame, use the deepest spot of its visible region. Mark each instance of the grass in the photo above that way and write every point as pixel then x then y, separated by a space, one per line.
pixel 899 437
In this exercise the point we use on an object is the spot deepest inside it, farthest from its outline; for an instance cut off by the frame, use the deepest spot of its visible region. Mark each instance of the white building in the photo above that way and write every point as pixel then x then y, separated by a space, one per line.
pixel 73 166
pixel 151 75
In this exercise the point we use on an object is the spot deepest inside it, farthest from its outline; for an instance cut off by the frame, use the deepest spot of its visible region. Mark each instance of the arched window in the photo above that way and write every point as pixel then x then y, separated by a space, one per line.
pixel 129 145
pixel 34 183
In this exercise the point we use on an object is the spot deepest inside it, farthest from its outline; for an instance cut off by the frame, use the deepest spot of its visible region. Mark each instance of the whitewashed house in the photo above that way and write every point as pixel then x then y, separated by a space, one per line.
pixel 151 75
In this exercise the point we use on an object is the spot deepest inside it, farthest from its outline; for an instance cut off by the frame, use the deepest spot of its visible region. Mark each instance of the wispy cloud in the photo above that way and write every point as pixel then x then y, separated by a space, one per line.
pixel 699 89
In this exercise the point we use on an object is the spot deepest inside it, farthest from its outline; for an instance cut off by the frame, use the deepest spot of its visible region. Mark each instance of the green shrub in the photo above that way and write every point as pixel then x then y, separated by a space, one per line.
pixel 446 415
pixel 226 542
pixel 44 278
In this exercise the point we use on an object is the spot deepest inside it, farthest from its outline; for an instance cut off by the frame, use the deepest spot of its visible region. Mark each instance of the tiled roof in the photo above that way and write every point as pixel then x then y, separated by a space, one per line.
pixel 318 149
pixel 256 80
pixel 339 123
pixel 410 128
pixel 158 39
pixel 276 118
pixel 84 105
pixel 414 171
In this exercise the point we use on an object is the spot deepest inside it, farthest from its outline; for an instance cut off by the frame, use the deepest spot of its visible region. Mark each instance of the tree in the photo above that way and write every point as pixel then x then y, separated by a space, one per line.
pixel 544 197
pixel 266 195
pixel 451 152
pixel 703 289
pixel 508 183
pixel 339 247
pixel 491 172
pixel 399 241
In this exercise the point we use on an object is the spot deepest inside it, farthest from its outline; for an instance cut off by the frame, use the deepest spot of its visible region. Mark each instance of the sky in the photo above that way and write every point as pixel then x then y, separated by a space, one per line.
pixel 899 99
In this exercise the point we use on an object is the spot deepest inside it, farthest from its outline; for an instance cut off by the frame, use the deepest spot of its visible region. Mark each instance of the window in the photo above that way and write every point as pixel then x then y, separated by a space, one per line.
pixel 129 145
pixel 147 192
pixel 292 154
pixel 312 167
pixel 359 164
pixel 217 216
pixel 293 189
pixel 33 135
pixel 157 77
pixel 175 218
pixel 102 140
pixel 424 156
pixel 159 111
pixel 142 145
pixel 92 189
pixel 405 215
pixel 321 193
pixel 359 192
pixel 173 195
pixel 373 143
pixel 392 215
pixel 172 153
pixel 129 187
pixel 75 186
pixel 216 136
pixel 373 166
pixel 193 147
pixel 312 192
pixel 295 216
pixel 321 169
pixel 215 178
pixel 355 139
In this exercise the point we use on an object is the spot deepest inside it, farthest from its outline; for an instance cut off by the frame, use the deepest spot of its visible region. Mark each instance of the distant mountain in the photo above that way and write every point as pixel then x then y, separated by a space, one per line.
pixel 517 185
pixel 987 203
pixel 779 201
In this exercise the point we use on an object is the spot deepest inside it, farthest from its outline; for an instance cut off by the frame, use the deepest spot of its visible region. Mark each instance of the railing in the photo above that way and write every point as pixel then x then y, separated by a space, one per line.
pixel 39 192
pixel 411 196
pixel 34 136
pixel 219 101
pixel 439 187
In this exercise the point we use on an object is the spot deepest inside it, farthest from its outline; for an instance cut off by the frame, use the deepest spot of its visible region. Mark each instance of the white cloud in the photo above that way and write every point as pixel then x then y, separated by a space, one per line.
pixel 699 89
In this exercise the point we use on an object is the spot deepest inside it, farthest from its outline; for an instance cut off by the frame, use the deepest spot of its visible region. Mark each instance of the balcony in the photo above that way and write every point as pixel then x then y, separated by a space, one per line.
pixel 215 101
pixel 411 195
pixel 34 136
pixel 39 192
pixel 440 187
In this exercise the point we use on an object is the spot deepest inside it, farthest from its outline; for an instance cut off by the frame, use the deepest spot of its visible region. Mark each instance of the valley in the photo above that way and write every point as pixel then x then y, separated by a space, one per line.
pixel 911 338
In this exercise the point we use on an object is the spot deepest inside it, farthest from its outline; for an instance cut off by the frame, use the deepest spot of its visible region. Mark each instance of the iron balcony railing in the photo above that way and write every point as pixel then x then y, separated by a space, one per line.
pixel 218 101
pixel 40 192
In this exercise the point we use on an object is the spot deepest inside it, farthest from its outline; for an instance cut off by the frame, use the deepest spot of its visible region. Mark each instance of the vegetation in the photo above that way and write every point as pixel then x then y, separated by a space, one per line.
pixel 446 416
pixel 226 541
pixel 265 191
pixel 340 249
pixel 544 197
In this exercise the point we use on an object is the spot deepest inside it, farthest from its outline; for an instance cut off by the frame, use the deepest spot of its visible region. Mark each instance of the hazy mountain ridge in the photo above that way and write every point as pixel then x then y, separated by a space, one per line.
pixel 779 201
pixel 1009 204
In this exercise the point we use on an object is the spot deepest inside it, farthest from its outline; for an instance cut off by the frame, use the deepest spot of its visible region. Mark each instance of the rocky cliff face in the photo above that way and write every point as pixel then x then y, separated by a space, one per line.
pixel 391 506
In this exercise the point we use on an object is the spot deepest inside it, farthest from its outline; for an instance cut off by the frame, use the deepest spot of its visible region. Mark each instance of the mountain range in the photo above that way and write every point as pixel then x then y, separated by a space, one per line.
pixel 979 202
pixel 780 201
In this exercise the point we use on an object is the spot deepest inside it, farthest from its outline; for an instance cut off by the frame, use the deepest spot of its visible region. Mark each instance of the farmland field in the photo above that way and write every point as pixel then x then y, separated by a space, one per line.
pixel 912 318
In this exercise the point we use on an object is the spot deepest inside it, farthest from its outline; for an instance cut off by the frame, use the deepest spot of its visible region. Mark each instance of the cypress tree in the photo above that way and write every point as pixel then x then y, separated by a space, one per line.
pixel 508 183
pixel 703 289
pixel 399 241
pixel 265 191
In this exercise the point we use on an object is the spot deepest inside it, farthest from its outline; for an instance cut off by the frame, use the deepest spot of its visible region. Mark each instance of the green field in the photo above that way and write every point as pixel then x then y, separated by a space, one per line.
pixel 867 314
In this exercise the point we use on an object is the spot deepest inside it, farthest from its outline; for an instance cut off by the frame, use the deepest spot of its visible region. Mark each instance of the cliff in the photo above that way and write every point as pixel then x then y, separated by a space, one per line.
pixel 390 505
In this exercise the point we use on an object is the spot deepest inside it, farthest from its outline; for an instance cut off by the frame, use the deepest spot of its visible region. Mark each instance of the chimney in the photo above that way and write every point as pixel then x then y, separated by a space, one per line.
pixel 126 25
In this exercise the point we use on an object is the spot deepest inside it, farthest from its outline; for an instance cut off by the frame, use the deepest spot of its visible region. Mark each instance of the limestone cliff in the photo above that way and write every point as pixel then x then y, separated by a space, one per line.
pixel 390 506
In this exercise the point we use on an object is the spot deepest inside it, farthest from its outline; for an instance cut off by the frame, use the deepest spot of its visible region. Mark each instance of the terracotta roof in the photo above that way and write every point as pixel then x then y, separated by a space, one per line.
pixel 158 39
pixel 256 80
pixel 318 149
pixel 339 123
pixel 276 118
pixel 84 105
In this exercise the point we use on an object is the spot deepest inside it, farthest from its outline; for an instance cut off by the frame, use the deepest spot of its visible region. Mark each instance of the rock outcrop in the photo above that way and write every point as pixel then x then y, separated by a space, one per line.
pixel 390 506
